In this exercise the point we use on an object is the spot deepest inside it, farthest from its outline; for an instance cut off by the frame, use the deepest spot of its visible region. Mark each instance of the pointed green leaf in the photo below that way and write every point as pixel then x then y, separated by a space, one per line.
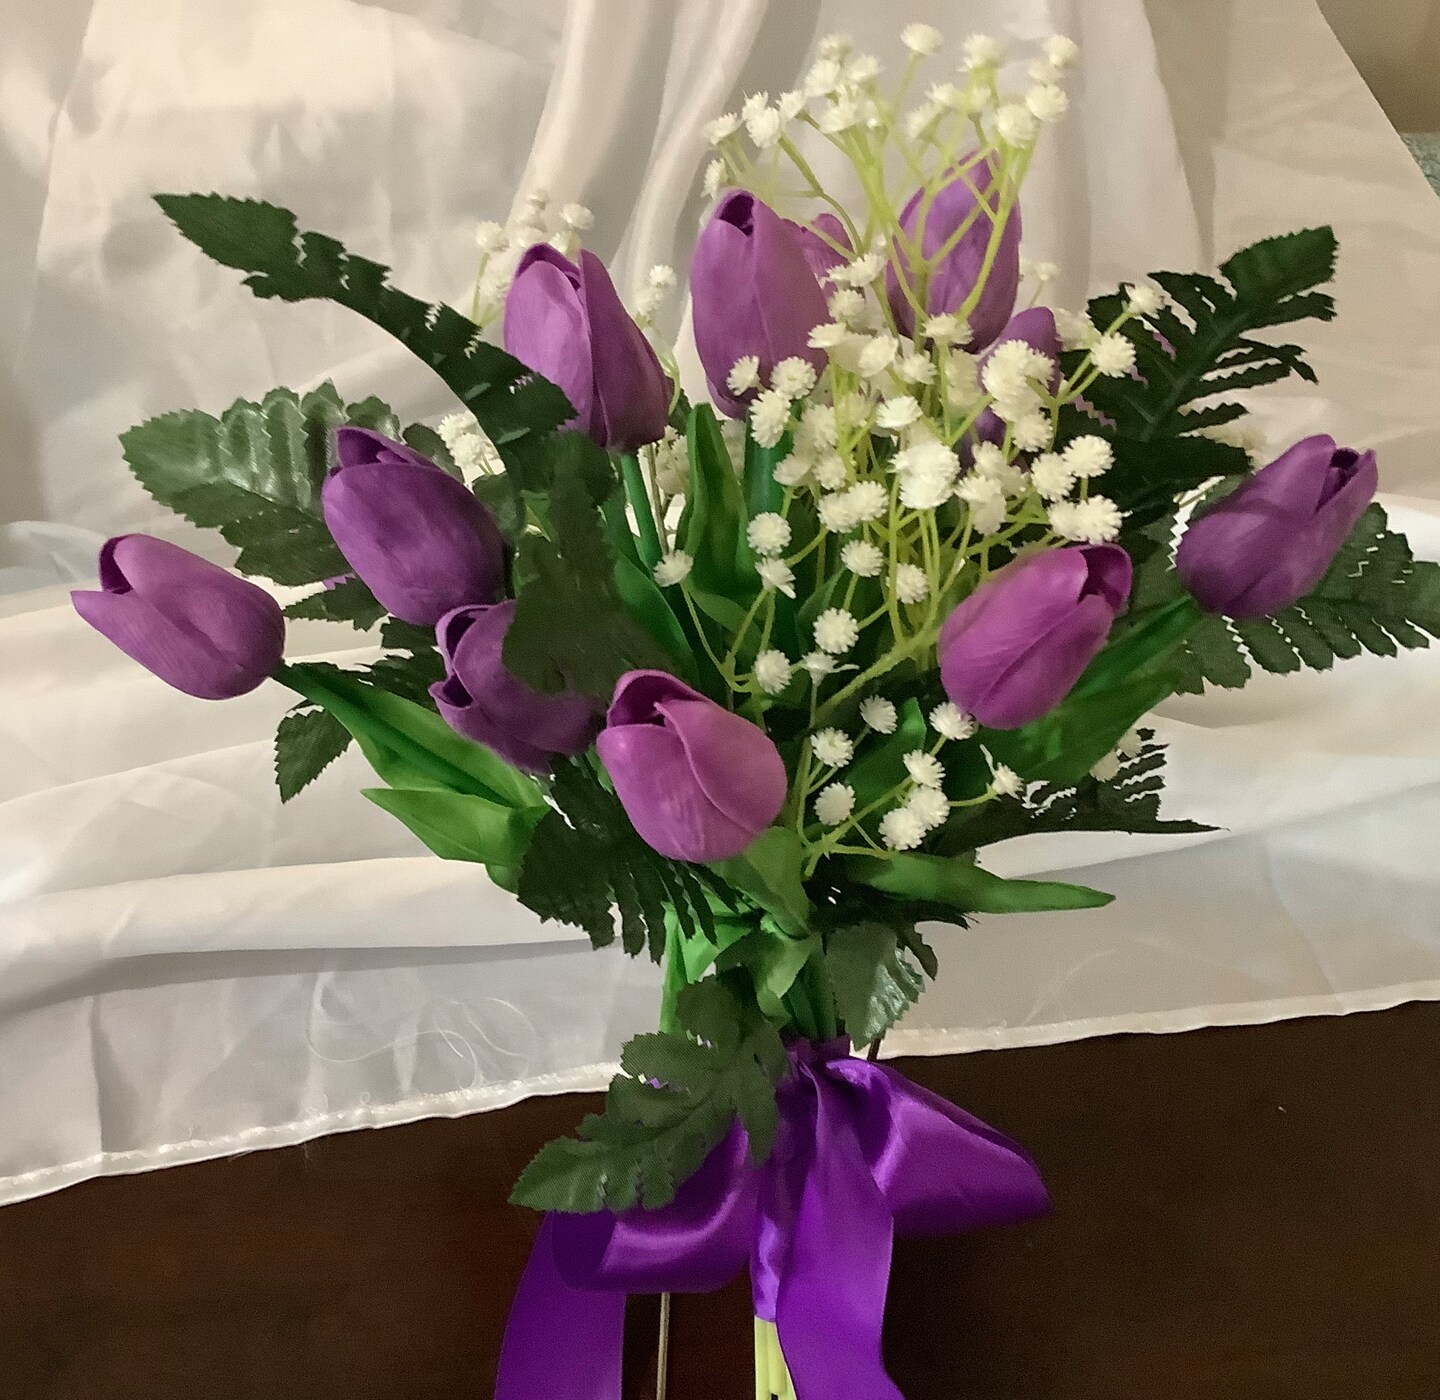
pixel 962 885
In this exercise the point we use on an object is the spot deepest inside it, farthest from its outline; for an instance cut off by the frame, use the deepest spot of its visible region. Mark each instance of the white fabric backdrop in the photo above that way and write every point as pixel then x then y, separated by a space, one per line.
pixel 186 967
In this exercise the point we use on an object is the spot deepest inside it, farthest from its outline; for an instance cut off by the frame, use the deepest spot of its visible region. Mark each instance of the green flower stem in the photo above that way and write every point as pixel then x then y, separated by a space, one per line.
pixel 734 653
pixel 726 674
pixel 638 495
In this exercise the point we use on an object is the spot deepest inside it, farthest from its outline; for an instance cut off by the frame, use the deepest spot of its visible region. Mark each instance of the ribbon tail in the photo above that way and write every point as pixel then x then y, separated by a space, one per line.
pixel 561 1343
pixel 830 1310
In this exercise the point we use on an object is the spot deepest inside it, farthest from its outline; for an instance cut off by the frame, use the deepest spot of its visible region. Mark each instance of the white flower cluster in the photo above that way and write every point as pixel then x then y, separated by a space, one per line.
pixel 536 220
pixel 467 444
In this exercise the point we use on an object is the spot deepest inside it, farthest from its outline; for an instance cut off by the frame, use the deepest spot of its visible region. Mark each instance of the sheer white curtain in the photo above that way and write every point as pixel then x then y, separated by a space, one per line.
pixel 186 967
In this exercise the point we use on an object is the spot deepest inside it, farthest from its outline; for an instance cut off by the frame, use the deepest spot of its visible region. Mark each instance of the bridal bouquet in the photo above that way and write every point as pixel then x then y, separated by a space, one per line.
pixel 748 685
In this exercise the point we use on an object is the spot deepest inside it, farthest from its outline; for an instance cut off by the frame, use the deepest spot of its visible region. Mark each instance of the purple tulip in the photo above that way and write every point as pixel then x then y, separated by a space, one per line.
pixel 954 279
pixel 195 625
pixel 1036 327
pixel 414 534
pixel 1015 647
pixel 698 782
pixel 753 293
pixel 821 254
pixel 1269 542
pixel 565 321
pixel 480 699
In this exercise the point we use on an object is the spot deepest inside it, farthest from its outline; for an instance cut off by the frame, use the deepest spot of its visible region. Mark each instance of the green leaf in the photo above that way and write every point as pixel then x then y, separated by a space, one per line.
pixel 960 884
pixel 773 959
pixel 762 492
pixel 874 980
pixel 571 630
pixel 712 529
pixel 351 601
pixel 769 871
pixel 883 765
pixel 674 1100
pixel 647 604
pixel 459 825
pixel 307 742
pixel 515 407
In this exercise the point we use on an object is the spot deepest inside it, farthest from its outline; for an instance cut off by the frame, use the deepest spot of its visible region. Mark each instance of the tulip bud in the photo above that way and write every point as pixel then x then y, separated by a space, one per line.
pixel 699 783
pixel 821 254
pixel 752 293
pixel 954 278
pixel 480 699
pixel 565 321
pixel 416 536
pixel 1015 647
pixel 1270 541
pixel 1036 327
pixel 197 626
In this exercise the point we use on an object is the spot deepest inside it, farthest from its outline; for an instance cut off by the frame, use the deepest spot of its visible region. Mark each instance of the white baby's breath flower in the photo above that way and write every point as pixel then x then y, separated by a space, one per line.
pixel 897 413
pixel 924 768
pixel 1052 476
pixel 490 236
pixel 879 714
pixel 862 558
pixel 1047 102
pixel 790 104
pixel 1006 782
pixel 912 585
pixel 1041 70
pixel 772 671
pixel 455 426
pixel 1131 745
pixel 834 803
pixel 673 568
pixel 841 114
pixel 862 68
pixel 853 410
pixel 847 305
pixel 793 469
pixel 926 487
pixel 744 375
pixel 661 276
pixel 1145 300
pixel 836 631
pixel 982 494
pixel 765 126
pixel 818 665
pixel 868 500
pixel 836 46
pixel 1062 51
pixel 726 124
pixel 1016 124
pixel 916 368
pixel 793 377
pixel 861 271
pixel 834 513
pixel 672 464
pixel 714 178
pixel 818 431
pixel 832 748
pixel 901 829
pixel 951 722
pixel 950 95
pixel 1096 520
pixel 1032 431
pixel 776 574
pixel 992 464
pixel 1089 456
pixel 824 77
pixel 830 471
pixel 1107 769
pixel 924 453
pixel 1077 330
pixel 962 381
pixel 877 356
pixel 1114 356
pixel 929 806
pixel 943 329
pixel 576 216
pixel 753 105
pixel 831 335
pixel 983 51
pixel 921 120
pixel 770 417
pixel 921 39
pixel 768 533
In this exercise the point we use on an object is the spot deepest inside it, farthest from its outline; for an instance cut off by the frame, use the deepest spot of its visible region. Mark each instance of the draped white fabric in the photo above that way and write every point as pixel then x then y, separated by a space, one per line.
pixel 188 968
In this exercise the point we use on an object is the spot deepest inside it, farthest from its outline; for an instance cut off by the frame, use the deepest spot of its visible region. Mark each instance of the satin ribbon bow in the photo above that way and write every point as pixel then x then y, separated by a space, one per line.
pixel 861 1152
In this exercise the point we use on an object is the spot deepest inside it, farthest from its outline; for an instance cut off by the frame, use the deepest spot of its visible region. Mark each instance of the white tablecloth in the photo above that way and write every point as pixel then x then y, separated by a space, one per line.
pixel 188 968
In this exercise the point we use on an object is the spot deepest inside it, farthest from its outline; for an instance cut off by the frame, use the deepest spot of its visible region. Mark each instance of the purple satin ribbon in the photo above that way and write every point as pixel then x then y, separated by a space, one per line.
pixel 861 1153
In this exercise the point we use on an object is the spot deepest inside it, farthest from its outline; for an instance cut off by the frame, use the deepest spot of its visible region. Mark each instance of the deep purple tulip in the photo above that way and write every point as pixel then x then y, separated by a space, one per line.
pixel 1036 327
pixel 1015 647
pixel 821 254
pixel 698 782
pixel 417 537
pixel 1269 542
pixel 197 626
pixel 753 293
pixel 953 280
pixel 480 699
pixel 566 321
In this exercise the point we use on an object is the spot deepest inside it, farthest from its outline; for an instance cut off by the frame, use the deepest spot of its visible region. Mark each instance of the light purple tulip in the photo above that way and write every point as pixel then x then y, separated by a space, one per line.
pixel 698 782
pixel 417 537
pixel 566 321
pixel 480 699
pixel 1269 542
pixel 953 280
pixel 821 254
pixel 197 626
pixel 753 293
pixel 1036 327
pixel 1015 647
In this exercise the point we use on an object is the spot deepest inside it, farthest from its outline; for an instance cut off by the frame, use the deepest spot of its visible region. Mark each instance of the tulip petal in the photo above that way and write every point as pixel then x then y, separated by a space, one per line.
pixel 546 326
pixel 631 390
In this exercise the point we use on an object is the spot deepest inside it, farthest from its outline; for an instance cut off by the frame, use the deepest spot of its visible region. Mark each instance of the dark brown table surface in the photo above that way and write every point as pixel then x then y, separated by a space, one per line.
pixel 1239 1213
